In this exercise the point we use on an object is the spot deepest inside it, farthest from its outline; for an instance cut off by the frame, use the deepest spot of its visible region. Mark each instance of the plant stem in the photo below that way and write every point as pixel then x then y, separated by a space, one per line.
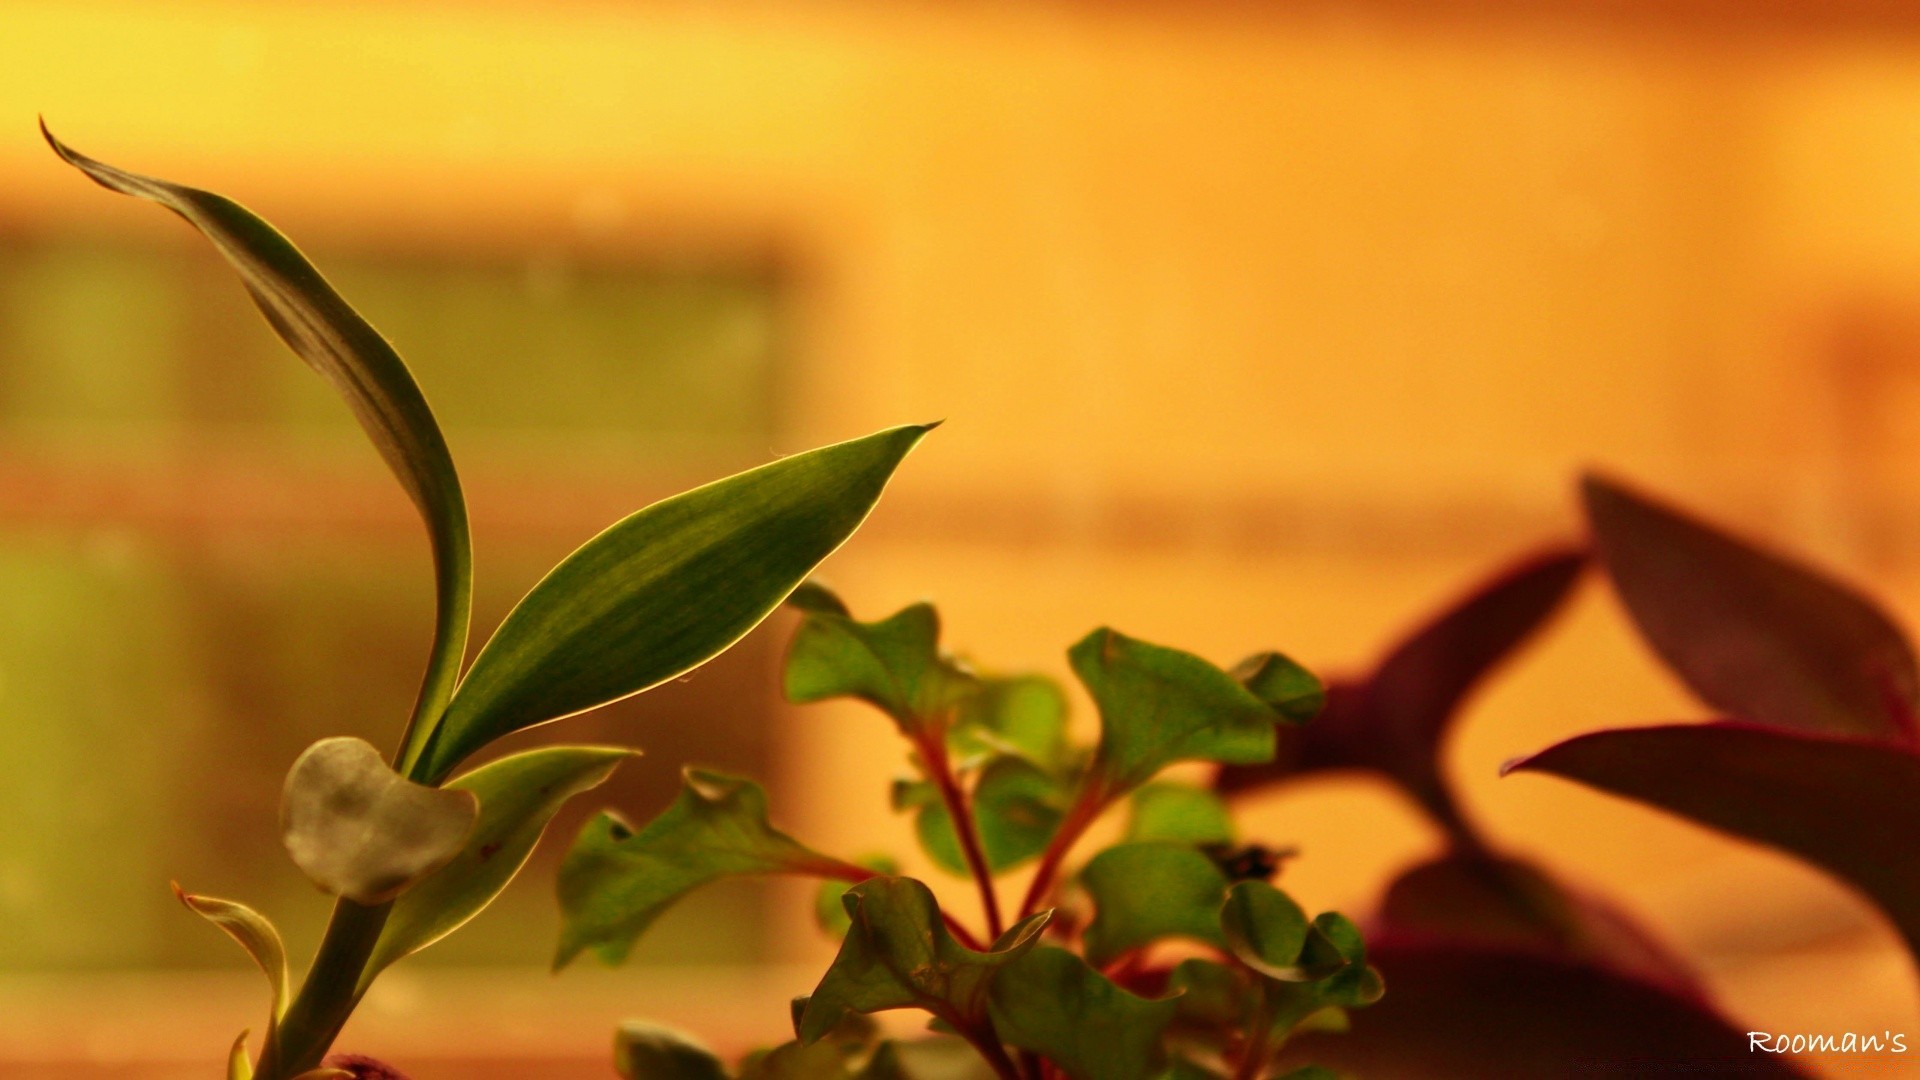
pixel 1253 1057
pixel 933 750
pixel 329 993
pixel 988 1043
pixel 1085 809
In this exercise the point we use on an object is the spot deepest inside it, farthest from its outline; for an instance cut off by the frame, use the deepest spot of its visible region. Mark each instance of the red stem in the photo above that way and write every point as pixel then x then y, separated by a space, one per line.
pixel 933 751
pixel 1085 809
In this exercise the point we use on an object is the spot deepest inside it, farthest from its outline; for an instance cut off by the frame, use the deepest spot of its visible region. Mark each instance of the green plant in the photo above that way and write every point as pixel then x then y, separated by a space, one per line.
pixel 411 850
pixel 1166 949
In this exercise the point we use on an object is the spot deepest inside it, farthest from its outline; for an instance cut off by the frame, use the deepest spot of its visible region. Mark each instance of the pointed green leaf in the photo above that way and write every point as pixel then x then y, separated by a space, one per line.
pixel 1024 715
pixel 894 665
pixel 320 326
pixel 1293 691
pixel 1147 892
pixel 1169 811
pixel 615 882
pixel 255 933
pixel 829 910
pixel 643 1051
pixel 518 797
pixel 664 591
pixel 1050 1002
pixel 1159 705
pixel 1016 806
pixel 898 955
pixel 362 831
pixel 238 1067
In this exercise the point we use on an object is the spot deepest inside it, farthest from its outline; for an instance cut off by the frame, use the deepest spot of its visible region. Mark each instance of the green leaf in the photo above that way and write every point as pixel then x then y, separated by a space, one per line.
pixel 1016 806
pixel 939 1057
pixel 643 1051
pixel 895 664
pixel 1169 811
pixel 238 1067
pixel 615 882
pixel 1024 715
pixel 361 830
pixel 518 796
pixel 1210 994
pixel 1146 892
pixel 320 326
pixel 1159 705
pixel 1050 1002
pixel 664 591
pixel 1293 691
pixel 898 954
pixel 1265 930
pixel 797 1061
pixel 255 933
pixel 829 910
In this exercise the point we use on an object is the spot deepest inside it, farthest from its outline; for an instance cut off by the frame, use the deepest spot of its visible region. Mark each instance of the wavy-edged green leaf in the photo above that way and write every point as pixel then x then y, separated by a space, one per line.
pixel 1168 811
pixel 324 330
pixel 1850 806
pixel 253 931
pixel 1022 715
pixel 1050 1002
pixel 830 910
pixel 644 1051
pixel 1016 806
pixel 1754 634
pixel 894 664
pixel 1160 705
pixel 1294 692
pixel 664 591
pixel 615 881
pixel 898 955
pixel 1265 930
pixel 1147 892
pixel 361 830
pixel 518 796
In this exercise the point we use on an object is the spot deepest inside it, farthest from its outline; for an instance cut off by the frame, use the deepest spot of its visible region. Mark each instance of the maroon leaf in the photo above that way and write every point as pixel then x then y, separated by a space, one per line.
pixel 1394 721
pixel 1463 1012
pixel 1494 901
pixel 1756 635
pixel 1848 805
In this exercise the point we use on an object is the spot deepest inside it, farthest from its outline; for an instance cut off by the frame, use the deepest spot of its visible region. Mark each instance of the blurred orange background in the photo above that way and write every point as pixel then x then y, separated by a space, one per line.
pixel 1251 329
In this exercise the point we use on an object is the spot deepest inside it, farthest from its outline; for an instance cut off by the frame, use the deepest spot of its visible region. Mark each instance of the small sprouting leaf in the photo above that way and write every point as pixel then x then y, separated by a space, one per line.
pixel 518 796
pixel 1265 930
pixel 1050 1002
pixel 643 1051
pixel 1848 805
pixel 898 955
pixel 255 933
pixel 1145 892
pixel 1168 811
pixel 1293 691
pixel 324 330
pixel 238 1065
pixel 1159 705
pixel 664 591
pixel 829 910
pixel 361 830
pixel 1016 807
pixel 615 882
pixel 1756 635
pixel 1025 715
pixel 894 665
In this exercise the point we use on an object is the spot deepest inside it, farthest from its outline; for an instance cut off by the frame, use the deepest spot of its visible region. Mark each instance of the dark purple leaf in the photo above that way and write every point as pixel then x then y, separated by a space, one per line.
pixel 1849 805
pixel 1394 721
pixel 1756 635
pixel 1464 1012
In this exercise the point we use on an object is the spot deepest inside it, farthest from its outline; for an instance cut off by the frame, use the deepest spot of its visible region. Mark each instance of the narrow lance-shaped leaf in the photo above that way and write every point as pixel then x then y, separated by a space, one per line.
pixel 1051 1003
pixel 898 954
pixel 1147 892
pixel 238 1065
pixel 664 591
pixel 1159 705
pixel 894 664
pixel 324 330
pixel 616 882
pixel 1851 806
pixel 1754 634
pixel 361 830
pixel 518 796
pixel 254 932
